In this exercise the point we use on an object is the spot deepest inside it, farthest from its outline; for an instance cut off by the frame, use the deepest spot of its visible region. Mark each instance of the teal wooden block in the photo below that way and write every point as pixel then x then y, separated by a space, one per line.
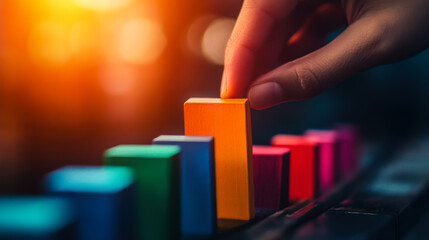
pixel 36 218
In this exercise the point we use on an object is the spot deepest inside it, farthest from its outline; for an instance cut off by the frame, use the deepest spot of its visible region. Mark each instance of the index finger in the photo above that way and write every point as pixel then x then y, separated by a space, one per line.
pixel 254 24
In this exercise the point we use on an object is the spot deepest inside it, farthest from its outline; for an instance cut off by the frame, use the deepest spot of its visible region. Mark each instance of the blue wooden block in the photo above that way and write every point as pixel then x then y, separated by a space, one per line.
pixel 104 199
pixel 198 186
pixel 36 218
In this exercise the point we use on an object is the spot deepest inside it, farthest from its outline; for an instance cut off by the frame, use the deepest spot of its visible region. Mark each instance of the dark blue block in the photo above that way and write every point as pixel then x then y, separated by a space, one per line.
pixel 36 218
pixel 198 186
pixel 104 199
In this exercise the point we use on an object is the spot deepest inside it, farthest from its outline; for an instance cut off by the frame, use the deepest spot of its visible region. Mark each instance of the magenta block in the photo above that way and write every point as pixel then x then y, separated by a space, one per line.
pixel 349 150
pixel 328 156
pixel 271 176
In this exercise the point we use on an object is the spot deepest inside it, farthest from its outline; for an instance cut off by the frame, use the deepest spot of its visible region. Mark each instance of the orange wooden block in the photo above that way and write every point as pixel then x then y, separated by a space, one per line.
pixel 228 121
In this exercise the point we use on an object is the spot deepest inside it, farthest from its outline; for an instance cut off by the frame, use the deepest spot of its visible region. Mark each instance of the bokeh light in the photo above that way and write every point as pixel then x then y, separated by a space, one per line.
pixel 83 41
pixel 215 39
pixel 48 43
pixel 141 41
pixel 101 5
pixel 195 33
pixel 78 76
pixel 117 79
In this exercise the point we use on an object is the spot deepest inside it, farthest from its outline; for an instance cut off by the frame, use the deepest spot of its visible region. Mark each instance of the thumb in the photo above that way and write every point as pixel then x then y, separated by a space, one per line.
pixel 362 45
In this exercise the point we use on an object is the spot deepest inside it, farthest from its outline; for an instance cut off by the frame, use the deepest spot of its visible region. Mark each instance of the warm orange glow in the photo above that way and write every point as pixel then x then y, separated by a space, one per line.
pixel 83 41
pixel 215 38
pixel 48 43
pixel 141 41
pixel 118 80
pixel 101 5
pixel 80 75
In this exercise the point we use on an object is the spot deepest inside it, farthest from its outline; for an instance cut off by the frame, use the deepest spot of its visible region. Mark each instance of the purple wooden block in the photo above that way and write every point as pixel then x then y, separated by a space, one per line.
pixel 349 152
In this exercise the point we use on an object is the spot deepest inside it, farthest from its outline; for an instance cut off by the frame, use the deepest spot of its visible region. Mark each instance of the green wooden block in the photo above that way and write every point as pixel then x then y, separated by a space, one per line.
pixel 157 173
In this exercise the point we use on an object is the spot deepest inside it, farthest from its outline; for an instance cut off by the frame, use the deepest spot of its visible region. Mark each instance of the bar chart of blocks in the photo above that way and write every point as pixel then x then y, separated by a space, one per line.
pixel 212 182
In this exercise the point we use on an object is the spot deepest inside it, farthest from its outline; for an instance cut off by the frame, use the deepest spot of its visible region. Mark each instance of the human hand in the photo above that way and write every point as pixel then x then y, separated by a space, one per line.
pixel 269 33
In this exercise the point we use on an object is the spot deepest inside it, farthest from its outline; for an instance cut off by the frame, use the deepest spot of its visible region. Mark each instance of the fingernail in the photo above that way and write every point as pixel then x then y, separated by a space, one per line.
pixel 265 95
pixel 223 88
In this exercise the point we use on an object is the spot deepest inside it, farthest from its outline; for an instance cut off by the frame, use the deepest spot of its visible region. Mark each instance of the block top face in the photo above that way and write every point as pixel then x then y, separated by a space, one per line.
pixel 143 151
pixel 217 100
pixel 27 215
pixel 88 179
pixel 181 138
pixel 320 132
pixel 326 136
pixel 292 140
pixel 269 150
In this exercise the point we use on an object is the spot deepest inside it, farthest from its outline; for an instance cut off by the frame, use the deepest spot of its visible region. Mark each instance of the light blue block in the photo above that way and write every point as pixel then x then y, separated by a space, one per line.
pixel 36 218
pixel 104 199
pixel 198 186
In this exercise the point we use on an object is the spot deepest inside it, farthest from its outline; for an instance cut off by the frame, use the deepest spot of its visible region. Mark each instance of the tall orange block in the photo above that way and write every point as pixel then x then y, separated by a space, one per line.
pixel 228 121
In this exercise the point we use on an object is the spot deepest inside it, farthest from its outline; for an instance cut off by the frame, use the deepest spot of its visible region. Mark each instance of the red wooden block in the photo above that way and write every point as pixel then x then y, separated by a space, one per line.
pixel 328 157
pixel 271 176
pixel 303 165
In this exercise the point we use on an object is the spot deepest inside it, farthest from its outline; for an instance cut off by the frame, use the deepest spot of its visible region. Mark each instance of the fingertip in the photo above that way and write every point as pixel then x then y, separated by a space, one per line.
pixel 223 93
pixel 229 89
pixel 237 73
pixel 265 95
pixel 223 88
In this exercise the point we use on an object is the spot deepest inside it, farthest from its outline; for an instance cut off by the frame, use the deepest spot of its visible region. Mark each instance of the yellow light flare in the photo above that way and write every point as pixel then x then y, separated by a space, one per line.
pixel 83 41
pixel 141 41
pixel 215 38
pixel 101 5
pixel 48 43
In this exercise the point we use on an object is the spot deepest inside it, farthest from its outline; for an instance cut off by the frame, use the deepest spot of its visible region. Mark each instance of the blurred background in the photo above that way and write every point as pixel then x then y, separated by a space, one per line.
pixel 80 76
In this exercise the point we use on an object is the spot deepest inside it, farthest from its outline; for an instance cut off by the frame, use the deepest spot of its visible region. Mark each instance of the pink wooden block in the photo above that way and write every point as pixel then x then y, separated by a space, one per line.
pixel 328 156
pixel 271 176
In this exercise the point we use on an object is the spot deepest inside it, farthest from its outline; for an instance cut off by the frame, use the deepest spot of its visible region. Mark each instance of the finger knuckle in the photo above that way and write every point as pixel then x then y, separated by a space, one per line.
pixel 310 83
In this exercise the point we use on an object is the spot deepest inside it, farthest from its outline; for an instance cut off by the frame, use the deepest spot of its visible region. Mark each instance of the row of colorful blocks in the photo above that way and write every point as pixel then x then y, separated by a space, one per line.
pixel 174 190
